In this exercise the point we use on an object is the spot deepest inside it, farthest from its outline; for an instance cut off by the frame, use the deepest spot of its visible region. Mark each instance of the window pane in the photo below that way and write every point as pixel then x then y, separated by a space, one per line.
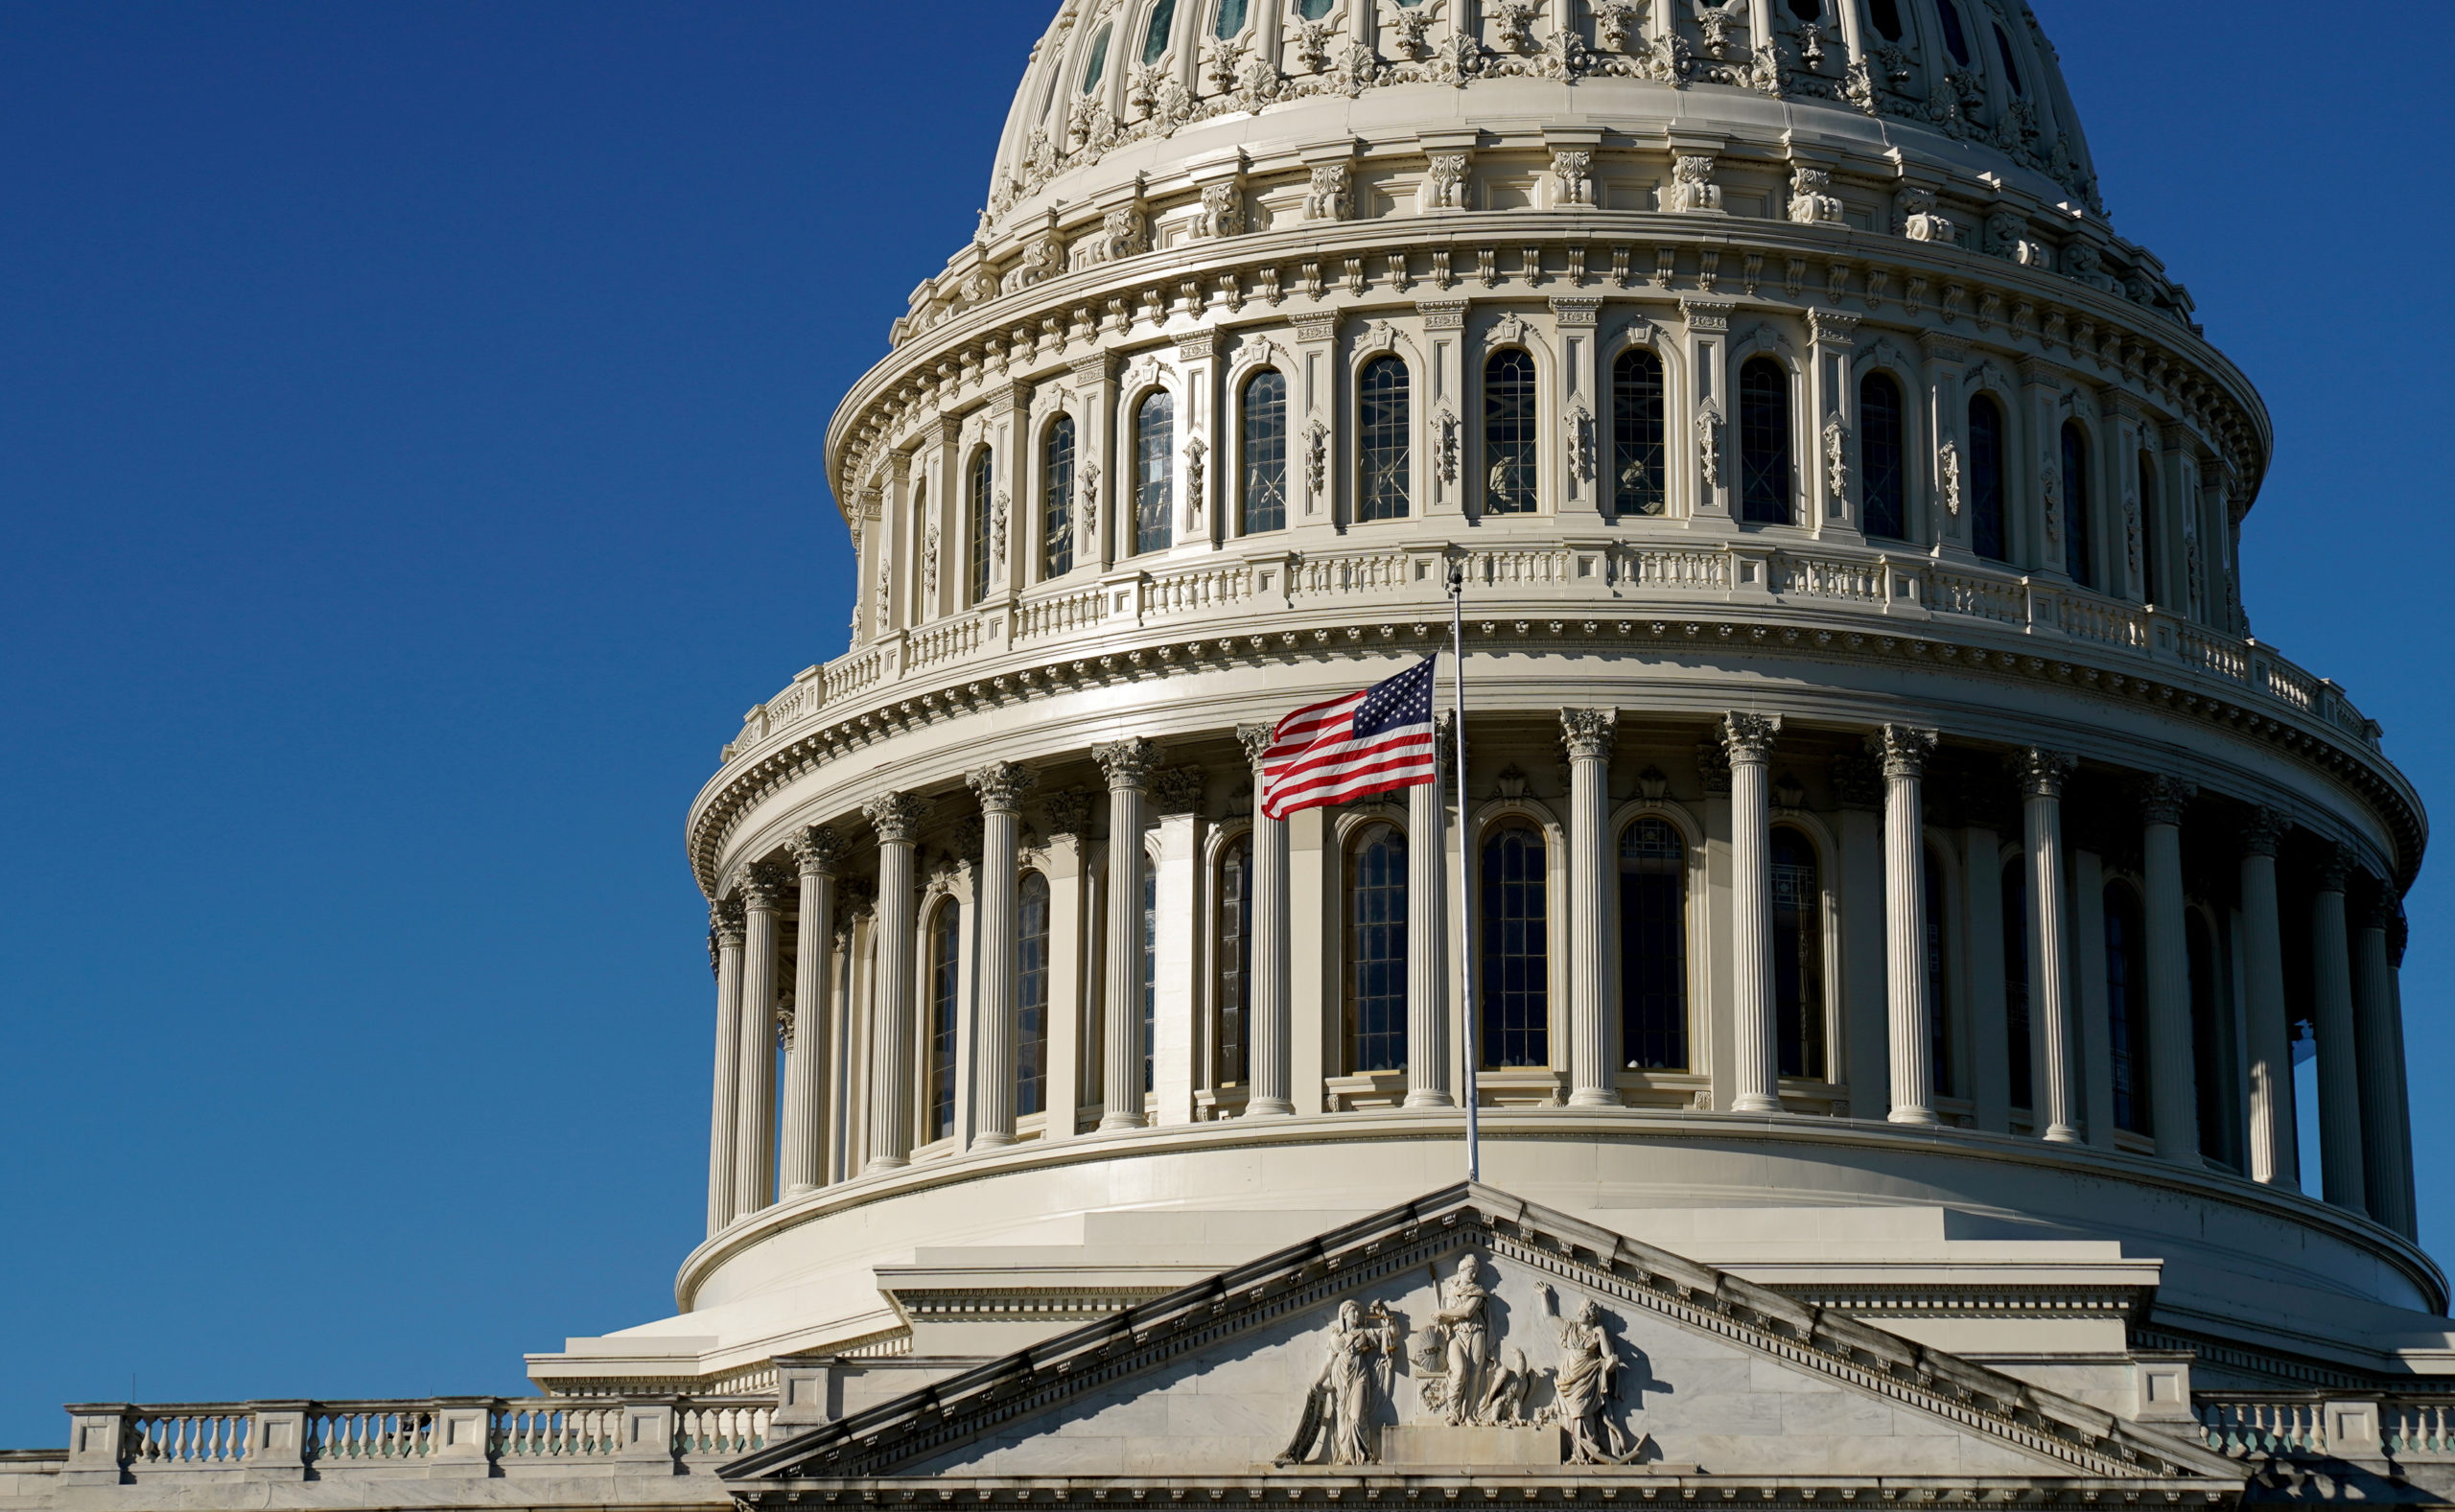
pixel 1765 442
pixel 1099 63
pixel 1231 21
pixel 1057 484
pixel 2077 556
pixel 2152 585
pixel 1882 458
pixel 1954 38
pixel 1886 15
pixel 1380 398
pixel 1031 996
pixel 946 955
pixel 1987 533
pixel 1508 433
pixel 1798 955
pixel 1377 952
pixel 1265 444
pixel 1516 949
pixel 1314 10
pixel 1155 479
pixel 2011 68
pixel 981 504
pixel 2126 1009
pixel 1235 957
pixel 2016 981
pixel 1637 439
pixel 1653 947
pixel 1155 39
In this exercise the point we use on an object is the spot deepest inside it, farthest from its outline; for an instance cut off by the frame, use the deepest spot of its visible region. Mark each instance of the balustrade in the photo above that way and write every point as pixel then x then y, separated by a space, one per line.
pixel 185 1437
pixel 2282 1426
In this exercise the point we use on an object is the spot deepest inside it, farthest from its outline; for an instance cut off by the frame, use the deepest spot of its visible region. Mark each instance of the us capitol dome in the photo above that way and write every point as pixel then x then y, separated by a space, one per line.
pixel 1900 883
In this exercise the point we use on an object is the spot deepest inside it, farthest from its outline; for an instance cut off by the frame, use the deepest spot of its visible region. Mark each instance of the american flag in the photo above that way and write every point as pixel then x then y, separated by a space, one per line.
pixel 1349 748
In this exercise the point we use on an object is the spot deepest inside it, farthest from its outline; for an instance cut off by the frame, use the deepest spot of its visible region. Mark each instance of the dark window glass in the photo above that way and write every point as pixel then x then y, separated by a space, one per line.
pixel 1939 1000
pixel 1517 957
pixel 1155 37
pixel 1057 483
pixel 1886 15
pixel 1381 402
pixel 2015 982
pixel 1883 456
pixel 945 977
pixel 2209 1041
pixel 1031 995
pixel 2077 556
pixel 1765 442
pixel 1508 433
pixel 1235 956
pixel 1653 947
pixel 1637 435
pixel 1230 19
pixel 1099 63
pixel 1155 477
pixel 2127 1008
pixel 1265 496
pixel 1150 964
pixel 1377 951
pixel 1314 10
pixel 2011 67
pixel 1955 38
pixel 2152 585
pixel 981 526
pixel 1988 534
pixel 1807 10
pixel 1798 955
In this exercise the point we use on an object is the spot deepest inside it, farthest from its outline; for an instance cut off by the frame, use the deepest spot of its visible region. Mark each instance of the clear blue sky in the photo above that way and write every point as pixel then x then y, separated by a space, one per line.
pixel 409 461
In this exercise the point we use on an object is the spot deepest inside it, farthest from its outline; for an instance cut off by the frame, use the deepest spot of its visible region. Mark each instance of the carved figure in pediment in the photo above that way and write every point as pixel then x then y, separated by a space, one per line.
pixel 1586 1385
pixel 1341 1403
pixel 1463 1324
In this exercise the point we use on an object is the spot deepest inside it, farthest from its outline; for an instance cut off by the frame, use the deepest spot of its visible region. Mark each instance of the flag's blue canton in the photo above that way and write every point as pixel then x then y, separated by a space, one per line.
pixel 1405 699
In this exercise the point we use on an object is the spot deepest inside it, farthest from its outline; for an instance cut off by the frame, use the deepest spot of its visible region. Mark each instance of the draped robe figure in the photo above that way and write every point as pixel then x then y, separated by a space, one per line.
pixel 1585 1385
pixel 1339 1405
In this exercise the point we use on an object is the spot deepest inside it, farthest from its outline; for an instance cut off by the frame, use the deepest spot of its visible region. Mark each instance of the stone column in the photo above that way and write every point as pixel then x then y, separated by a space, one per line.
pixel 1176 944
pixel 2383 1139
pixel 807 1109
pixel 1590 734
pixel 2275 1141
pixel 1267 1023
pixel 724 946
pixel 1128 766
pixel 999 786
pixel 2339 1058
pixel 754 1167
pixel 1428 946
pixel 2173 1066
pixel 1749 741
pixel 1907 1005
pixel 2398 936
pixel 896 816
pixel 2052 1000
pixel 1073 965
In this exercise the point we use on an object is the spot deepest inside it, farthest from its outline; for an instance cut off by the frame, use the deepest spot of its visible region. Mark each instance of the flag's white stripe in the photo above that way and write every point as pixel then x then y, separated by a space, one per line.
pixel 1344 754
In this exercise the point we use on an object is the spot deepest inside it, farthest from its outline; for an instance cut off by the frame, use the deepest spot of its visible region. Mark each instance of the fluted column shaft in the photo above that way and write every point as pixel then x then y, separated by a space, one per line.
pixel 2340 1154
pixel 2275 1141
pixel 1909 1001
pixel 2173 1062
pixel 1128 766
pixel 999 786
pixel 2051 998
pixel 1267 991
pixel 1590 735
pixel 724 926
pixel 896 816
pixel 754 1163
pixel 801 1152
pixel 1427 948
pixel 2383 1138
pixel 1749 741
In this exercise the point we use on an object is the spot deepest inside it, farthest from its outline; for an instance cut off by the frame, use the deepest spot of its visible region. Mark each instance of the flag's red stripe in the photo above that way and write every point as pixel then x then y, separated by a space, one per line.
pixel 1330 753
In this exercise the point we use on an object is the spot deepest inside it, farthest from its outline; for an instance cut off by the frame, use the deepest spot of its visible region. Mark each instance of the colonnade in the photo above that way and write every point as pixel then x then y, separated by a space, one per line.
pixel 765 1148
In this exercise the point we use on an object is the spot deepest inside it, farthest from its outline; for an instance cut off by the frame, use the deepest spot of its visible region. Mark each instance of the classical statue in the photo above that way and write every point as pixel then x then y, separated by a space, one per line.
pixel 1585 1385
pixel 1466 1350
pixel 1355 1376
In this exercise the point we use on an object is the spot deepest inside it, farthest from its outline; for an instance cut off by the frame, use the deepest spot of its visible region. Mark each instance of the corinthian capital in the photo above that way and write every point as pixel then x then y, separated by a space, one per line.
pixel 1256 739
pixel 1127 763
pixel 1749 737
pixel 1903 750
pixel 2041 771
pixel 2163 799
pixel 1589 734
pixel 817 850
pixel 1069 812
pixel 895 816
pixel 2263 832
pixel 999 785
pixel 761 885
pixel 2335 868
pixel 724 921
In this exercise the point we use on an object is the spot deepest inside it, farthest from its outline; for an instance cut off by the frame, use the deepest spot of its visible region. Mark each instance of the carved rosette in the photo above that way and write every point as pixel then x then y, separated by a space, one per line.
pixel 1903 750
pixel 1127 763
pixel 999 786
pixel 895 816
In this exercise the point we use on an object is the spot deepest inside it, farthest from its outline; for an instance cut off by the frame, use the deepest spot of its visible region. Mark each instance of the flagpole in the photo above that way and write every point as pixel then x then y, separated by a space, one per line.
pixel 1466 901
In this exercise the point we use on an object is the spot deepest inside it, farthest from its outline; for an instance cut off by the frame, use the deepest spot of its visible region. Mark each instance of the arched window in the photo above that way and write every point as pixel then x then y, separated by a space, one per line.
pixel 1154 37
pixel 2152 588
pixel 1763 442
pixel 2011 68
pixel 946 982
pixel 1150 965
pixel 1229 21
pixel 1381 441
pixel 1509 432
pixel 1057 488
pixel 1987 532
pixel 1636 434
pixel 1154 475
pixel 1955 38
pixel 1235 959
pixel 1264 503
pixel 1376 950
pixel 1099 63
pixel 1653 947
pixel 1517 956
pixel 1314 10
pixel 2077 555
pixel 2208 1039
pixel 1031 995
pixel 1883 456
pixel 2016 981
pixel 982 526
pixel 1939 997
pixel 2127 1006
pixel 1798 954
pixel 1886 15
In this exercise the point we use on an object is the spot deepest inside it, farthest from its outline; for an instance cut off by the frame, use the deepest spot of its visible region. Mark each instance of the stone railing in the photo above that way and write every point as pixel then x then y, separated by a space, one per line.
pixel 1616 579
pixel 2298 1425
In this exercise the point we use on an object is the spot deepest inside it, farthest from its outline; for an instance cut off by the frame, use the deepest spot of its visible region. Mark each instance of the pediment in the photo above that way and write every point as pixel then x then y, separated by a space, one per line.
pixel 1473 1332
